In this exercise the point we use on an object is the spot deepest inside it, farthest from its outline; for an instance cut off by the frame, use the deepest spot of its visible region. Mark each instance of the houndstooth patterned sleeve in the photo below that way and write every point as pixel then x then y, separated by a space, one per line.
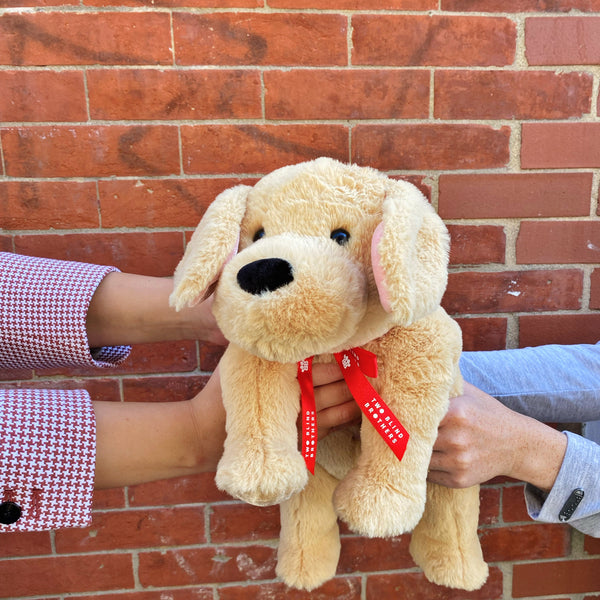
pixel 43 307
pixel 47 459
pixel 47 437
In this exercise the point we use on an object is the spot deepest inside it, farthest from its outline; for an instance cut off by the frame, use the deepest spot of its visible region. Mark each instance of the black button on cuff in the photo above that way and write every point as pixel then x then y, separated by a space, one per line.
pixel 9 513
pixel 569 507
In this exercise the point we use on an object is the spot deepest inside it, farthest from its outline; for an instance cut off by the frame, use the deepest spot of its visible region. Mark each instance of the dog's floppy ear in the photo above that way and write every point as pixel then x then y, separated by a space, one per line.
pixel 213 244
pixel 409 253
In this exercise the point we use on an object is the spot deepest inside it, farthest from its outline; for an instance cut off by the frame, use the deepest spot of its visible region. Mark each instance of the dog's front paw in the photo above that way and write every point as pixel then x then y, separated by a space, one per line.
pixel 377 509
pixel 264 479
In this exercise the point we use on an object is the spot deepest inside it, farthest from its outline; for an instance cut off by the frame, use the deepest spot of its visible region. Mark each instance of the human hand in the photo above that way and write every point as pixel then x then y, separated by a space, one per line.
pixel 198 322
pixel 479 438
pixel 335 406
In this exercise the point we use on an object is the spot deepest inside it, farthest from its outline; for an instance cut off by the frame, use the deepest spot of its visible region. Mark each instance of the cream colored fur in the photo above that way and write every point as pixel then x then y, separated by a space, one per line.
pixel 336 302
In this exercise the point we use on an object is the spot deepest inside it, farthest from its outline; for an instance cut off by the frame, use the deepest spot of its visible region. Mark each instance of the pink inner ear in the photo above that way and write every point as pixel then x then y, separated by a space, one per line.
pixel 384 296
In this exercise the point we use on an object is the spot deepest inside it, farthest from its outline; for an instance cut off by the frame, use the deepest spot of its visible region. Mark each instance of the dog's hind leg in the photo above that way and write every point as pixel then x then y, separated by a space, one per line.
pixel 309 546
pixel 445 543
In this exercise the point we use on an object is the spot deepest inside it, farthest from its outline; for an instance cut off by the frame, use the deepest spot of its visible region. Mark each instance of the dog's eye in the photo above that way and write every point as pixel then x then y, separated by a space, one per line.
pixel 259 234
pixel 340 236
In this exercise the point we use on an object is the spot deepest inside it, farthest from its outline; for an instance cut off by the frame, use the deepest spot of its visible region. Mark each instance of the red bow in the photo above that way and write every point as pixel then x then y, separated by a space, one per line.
pixel 355 364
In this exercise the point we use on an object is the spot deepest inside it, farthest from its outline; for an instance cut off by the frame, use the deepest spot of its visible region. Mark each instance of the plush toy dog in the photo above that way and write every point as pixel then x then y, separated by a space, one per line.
pixel 324 260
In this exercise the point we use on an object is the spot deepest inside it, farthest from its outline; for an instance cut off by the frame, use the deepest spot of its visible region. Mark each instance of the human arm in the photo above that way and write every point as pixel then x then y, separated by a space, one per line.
pixel 479 438
pixel 548 383
pixel 57 445
pixel 133 309
pixel 141 442
pixel 57 313
pixel 43 308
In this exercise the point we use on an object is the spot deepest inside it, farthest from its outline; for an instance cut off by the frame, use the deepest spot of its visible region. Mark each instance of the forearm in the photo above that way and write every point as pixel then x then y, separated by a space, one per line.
pixel 537 450
pixel 132 309
pixel 479 439
pixel 140 442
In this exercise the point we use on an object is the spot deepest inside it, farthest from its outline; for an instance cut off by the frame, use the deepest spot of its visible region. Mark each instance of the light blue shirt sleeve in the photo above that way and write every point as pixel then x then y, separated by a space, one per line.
pixel 553 384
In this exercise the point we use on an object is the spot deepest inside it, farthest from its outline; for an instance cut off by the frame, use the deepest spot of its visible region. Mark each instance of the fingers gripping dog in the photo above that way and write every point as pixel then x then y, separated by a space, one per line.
pixel 314 260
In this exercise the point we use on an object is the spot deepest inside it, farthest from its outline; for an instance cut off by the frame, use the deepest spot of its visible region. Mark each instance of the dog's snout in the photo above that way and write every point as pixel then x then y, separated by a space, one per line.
pixel 265 275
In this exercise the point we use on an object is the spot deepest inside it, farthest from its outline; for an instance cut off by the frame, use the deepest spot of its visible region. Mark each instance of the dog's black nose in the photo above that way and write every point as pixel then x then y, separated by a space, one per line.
pixel 265 275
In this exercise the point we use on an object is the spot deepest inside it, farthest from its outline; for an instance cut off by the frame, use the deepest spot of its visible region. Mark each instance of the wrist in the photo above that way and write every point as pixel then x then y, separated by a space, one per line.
pixel 540 455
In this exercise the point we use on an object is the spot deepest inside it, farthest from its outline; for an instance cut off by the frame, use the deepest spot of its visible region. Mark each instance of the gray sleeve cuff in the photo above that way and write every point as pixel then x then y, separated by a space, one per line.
pixel 575 496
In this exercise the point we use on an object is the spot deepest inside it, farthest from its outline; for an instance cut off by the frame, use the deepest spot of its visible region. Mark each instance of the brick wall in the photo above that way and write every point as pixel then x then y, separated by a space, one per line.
pixel 120 123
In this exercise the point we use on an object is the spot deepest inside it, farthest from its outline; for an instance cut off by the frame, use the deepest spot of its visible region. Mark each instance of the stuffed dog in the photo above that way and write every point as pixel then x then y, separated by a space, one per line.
pixel 329 260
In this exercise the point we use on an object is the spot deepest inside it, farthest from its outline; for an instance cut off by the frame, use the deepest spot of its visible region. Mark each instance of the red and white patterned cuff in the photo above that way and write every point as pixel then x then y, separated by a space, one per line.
pixel 47 453
pixel 43 308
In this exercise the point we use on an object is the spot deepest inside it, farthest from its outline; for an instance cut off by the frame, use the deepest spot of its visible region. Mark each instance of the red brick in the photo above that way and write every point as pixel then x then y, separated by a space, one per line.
pixel 419 40
pixel 162 389
pixel 48 205
pixel 414 586
pixel 346 94
pixel 560 145
pixel 25 543
pixel 210 354
pixel 176 94
pixel 508 195
pixel 99 388
pixel 556 577
pixel 514 291
pixel 536 330
pixel 195 593
pixel 260 39
pixel 340 588
pixel 476 244
pixel 513 504
pixel 213 564
pixel 242 522
pixel 134 529
pixel 177 3
pixel 10 374
pixel 515 6
pixel 42 96
pixel 525 542
pixel 558 242
pixel 39 3
pixel 258 148
pixel 489 506
pixel 562 40
pixel 6 243
pixel 483 333
pixel 144 358
pixel 67 38
pixel 511 94
pixel 595 289
pixel 112 498
pixel 181 490
pixel 591 545
pixel 158 202
pixel 177 356
pixel 430 146
pixel 156 253
pixel 357 4
pixel 364 555
pixel 91 151
pixel 65 574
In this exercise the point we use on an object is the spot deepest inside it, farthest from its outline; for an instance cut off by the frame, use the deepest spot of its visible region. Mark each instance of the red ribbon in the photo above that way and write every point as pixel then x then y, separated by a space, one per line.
pixel 309 413
pixel 356 364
